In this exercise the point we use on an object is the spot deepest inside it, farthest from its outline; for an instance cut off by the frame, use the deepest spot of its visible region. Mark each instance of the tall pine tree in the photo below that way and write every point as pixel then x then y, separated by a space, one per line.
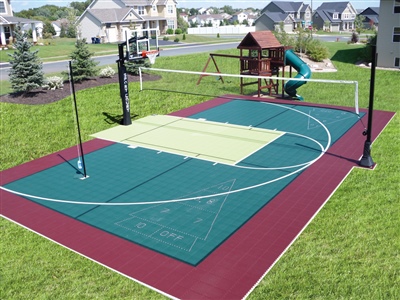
pixel 26 68
pixel 83 66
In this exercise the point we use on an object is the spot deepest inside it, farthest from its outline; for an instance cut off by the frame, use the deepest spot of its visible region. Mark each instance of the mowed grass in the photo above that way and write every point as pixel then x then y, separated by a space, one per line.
pixel 351 250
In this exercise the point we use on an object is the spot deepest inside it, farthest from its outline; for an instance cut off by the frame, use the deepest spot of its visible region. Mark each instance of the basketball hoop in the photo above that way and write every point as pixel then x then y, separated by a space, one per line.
pixel 151 55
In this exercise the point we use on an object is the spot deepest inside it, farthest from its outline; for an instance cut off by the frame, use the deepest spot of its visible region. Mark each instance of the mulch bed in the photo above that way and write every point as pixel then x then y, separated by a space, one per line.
pixel 41 96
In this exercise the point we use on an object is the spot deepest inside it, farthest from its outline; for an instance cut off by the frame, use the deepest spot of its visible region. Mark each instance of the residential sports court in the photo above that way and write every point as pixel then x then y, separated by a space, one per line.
pixel 197 204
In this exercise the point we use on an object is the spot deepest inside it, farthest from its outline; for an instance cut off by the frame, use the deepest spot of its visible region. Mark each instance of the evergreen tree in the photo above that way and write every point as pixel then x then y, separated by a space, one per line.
pixel 48 29
pixel 26 68
pixel 62 31
pixel 83 66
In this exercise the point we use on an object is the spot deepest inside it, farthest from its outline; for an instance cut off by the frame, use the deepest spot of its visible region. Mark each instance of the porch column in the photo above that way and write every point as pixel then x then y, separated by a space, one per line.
pixel 158 27
pixel 2 36
pixel 34 36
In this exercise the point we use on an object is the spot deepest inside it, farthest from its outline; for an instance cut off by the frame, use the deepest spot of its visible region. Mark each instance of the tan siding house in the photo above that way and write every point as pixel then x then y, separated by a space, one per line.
pixel 111 20
pixel 8 23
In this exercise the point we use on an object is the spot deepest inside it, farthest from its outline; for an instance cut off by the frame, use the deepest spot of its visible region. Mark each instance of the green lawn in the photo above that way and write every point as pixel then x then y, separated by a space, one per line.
pixel 351 250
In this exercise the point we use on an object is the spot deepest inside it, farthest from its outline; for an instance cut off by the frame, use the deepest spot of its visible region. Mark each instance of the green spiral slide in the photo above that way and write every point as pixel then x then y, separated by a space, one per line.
pixel 303 71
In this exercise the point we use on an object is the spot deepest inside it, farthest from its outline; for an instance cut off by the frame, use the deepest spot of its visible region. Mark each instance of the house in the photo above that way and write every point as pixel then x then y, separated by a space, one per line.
pixel 289 13
pixel 335 16
pixel 371 17
pixel 8 23
pixel 213 20
pixel 111 20
pixel 184 17
pixel 59 24
pixel 239 17
pixel 273 21
pixel 388 43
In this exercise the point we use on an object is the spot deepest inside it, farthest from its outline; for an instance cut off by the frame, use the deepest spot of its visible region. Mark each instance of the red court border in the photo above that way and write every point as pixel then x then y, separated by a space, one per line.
pixel 234 268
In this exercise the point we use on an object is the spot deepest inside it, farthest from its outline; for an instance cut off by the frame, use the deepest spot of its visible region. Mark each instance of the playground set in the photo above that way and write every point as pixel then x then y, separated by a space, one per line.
pixel 261 54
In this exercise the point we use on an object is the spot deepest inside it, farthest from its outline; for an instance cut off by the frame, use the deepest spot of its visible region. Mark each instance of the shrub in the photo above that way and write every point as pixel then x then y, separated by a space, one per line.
pixel 107 72
pixel 170 31
pixel 317 51
pixel 284 38
pixel 178 31
pixel 176 40
pixel 53 83
pixel 354 38
pixel 183 37
pixel 165 38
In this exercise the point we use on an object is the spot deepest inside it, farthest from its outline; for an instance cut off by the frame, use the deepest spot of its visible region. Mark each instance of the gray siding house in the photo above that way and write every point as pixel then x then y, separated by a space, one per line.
pixel 289 13
pixel 335 16
pixel 371 17
pixel 388 44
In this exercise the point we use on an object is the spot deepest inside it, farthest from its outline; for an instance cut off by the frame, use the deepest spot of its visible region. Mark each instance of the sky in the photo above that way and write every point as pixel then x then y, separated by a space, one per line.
pixel 19 5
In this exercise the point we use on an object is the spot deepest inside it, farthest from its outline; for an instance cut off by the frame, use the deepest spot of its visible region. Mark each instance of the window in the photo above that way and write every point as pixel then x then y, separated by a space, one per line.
pixel 2 8
pixel 140 10
pixel 154 8
pixel 396 8
pixel 170 9
pixel 397 62
pixel 396 35
pixel 170 24
pixel 335 16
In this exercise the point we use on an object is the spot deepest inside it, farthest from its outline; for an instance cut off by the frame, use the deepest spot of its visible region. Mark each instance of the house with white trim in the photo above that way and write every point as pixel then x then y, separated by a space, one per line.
pixel 289 13
pixel 335 16
pixel 8 23
pixel 110 20
pixel 371 17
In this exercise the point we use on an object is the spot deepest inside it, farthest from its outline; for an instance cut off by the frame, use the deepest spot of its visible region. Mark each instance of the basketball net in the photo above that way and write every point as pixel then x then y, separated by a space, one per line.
pixel 151 55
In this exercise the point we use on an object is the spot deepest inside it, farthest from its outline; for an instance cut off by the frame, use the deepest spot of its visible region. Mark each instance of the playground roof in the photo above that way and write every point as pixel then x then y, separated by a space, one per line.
pixel 259 40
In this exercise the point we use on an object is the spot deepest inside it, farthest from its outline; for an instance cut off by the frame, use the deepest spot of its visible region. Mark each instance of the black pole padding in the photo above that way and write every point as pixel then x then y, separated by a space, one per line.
pixel 77 119
pixel 366 160
pixel 124 87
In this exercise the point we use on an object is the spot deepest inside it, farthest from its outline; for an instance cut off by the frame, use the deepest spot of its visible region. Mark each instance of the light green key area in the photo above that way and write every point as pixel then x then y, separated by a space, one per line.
pixel 199 138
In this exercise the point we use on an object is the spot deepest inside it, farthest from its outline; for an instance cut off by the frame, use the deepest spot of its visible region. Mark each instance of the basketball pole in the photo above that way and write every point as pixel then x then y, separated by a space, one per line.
pixel 366 160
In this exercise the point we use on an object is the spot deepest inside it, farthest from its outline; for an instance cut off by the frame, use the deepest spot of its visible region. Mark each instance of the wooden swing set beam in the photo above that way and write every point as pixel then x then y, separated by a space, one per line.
pixel 211 57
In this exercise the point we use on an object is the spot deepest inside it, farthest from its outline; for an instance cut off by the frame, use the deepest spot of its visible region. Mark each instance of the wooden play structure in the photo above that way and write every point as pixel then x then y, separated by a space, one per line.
pixel 261 54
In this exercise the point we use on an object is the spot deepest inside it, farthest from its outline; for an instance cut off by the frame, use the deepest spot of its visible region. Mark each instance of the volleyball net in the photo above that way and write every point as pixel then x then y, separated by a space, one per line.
pixel 342 93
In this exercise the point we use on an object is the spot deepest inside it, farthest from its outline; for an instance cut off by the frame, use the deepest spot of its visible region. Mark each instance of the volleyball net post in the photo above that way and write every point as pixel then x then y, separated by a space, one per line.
pixel 366 160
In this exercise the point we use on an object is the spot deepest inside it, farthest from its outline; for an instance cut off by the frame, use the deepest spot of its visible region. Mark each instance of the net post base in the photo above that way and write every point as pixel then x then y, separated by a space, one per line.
pixel 366 160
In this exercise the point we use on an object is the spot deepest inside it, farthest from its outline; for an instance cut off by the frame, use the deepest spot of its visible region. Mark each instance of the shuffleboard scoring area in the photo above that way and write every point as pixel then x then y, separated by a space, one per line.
pixel 197 138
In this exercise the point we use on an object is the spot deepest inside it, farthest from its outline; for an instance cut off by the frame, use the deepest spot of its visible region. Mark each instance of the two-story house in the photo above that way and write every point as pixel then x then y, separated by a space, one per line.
pixel 289 13
pixel 335 16
pixel 8 23
pixel 388 43
pixel 112 19
pixel 240 17
pixel 371 17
